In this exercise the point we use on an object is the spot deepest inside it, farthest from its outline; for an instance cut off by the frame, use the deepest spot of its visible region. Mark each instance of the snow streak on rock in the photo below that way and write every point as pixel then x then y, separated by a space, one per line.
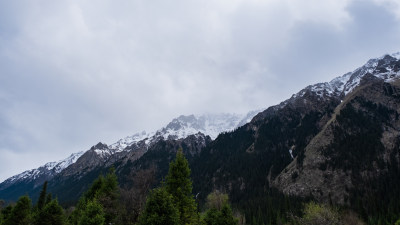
pixel 381 67
pixel 49 168
pixel 183 126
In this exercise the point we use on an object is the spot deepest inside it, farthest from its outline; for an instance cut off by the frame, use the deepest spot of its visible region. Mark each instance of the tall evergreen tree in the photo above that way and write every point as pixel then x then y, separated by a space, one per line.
pixel 179 185
pixel 105 192
pixel 42 198
pixel 108 196
pixel 21 213
pixel 51 214
pixel 159 209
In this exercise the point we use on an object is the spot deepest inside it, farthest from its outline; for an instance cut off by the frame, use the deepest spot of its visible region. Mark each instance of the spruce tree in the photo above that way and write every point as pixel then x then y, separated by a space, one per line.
pixel 51 214
pixel 108 196
pixel 105 192
pixel 179 185
pixel 21 213
pixel 42 198
pixel 159 209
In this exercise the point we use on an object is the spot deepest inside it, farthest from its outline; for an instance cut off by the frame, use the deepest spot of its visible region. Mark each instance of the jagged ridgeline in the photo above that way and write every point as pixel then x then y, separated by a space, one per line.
pixel 336 143
pixel 80 169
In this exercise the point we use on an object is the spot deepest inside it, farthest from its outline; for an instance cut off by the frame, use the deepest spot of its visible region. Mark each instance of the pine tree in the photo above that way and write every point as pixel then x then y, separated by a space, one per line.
pixel 159 209
pixel 92 215
pixel 179 185
pixel 105 192
pixel 108 196
pixel 21 213
pixel 42 198
pixel 51 214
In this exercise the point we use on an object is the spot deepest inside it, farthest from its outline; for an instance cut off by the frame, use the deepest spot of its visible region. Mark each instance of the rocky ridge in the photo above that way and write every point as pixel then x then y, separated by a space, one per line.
pixel 99 154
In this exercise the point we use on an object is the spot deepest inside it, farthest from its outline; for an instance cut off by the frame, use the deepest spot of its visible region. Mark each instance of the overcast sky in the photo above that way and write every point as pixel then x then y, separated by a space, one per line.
pixel 73 73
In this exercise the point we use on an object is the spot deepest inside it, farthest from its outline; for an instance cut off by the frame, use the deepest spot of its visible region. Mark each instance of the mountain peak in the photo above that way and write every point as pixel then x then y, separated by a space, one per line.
pixel 185 125
pixel 385 67
pixel 99 146
pixel 49 169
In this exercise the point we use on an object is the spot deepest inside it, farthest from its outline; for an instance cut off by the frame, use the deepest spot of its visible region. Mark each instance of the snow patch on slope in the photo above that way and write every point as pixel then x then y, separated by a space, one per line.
pixel 396 55
pixel 183 126
pixel 341 86
pixel 51 167
pixel 62 164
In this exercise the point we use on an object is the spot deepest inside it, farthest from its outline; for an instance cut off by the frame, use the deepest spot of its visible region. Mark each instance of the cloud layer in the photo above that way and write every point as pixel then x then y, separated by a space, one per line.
pixel 77 72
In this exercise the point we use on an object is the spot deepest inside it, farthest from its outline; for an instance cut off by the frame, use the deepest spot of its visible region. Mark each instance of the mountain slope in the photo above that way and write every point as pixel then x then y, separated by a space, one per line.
pixel 39 175
pixel 334 142
pixel 69 187
pixel 358 146
pixel 129 148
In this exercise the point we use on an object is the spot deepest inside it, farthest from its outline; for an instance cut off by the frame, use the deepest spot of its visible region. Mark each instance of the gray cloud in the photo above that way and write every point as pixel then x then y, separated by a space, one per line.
pixel 74 73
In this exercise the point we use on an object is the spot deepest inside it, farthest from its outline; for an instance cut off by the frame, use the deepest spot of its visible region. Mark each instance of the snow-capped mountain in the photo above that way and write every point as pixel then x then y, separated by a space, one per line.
pixel 183 126
pixel 178 128
pixel 45 171
pixel 384 67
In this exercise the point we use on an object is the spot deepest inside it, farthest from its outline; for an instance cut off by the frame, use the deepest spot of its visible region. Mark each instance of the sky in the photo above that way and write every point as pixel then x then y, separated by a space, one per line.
pixel 76 72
